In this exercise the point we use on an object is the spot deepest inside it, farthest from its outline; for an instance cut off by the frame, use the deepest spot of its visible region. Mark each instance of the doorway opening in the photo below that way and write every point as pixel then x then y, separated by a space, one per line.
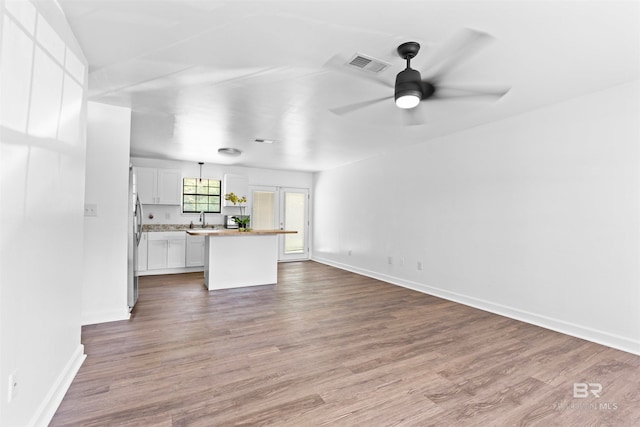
pixel 283 208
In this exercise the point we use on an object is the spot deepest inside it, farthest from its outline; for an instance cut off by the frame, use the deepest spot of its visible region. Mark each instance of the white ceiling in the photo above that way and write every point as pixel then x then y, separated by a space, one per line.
pixel 200 75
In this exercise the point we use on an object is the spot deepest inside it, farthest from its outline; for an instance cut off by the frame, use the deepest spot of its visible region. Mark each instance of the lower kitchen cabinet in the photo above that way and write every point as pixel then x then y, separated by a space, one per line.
pixel 142 252
pixel 166 250
pixel 195 251
pixel 169 252
pixel 157 254
pixel 176 249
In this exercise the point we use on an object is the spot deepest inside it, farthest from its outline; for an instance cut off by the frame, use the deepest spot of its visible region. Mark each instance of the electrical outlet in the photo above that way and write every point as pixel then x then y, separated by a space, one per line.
pixel 90 210
pixel 401 260
pixel 390 260
pixel 349 252
pixel 12 391
pixel 167 215
pixel 419 266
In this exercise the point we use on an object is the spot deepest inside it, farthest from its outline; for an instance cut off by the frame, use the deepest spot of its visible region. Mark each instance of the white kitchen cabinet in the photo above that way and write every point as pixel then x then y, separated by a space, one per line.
pixel 146 184
pixel 157 254
pixel 176 249
pixel 166 250
pixel 142 252
pixel 195 251
pixel 237 184
pixel 159 186
pixel 169 187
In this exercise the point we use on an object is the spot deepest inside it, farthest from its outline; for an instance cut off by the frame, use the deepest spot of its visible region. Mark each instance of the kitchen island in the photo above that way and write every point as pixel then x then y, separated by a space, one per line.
pixel 234 259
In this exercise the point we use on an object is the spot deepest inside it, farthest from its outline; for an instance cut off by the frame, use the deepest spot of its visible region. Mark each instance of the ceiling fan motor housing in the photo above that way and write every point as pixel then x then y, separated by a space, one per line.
pixel 408 84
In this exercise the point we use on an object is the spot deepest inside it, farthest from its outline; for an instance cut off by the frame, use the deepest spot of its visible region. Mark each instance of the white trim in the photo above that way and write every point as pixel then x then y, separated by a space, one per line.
pixel 51 402
pixel 178 270
pixel 597 336
pixel 103 317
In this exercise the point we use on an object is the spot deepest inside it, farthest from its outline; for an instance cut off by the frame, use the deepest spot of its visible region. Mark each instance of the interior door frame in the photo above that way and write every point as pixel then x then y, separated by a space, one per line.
pixel 279 218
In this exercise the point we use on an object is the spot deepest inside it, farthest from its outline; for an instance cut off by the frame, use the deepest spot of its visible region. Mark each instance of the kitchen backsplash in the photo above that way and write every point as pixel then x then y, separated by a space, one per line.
pixel 172 215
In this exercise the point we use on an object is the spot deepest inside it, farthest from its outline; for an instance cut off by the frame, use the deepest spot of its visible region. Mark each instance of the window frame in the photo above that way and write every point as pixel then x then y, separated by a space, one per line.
pixel 196 194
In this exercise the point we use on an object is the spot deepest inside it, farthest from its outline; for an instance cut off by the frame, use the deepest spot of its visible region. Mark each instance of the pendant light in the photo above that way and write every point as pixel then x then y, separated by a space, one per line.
pixel 408 89
pixel 201 163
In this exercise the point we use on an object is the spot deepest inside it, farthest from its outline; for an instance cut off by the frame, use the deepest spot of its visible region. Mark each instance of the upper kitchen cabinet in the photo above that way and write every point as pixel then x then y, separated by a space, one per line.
pixel 159 186
pixel 237 184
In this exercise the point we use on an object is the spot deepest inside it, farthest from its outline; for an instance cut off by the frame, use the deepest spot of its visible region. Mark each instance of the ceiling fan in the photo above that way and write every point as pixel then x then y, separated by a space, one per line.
pixel 411 88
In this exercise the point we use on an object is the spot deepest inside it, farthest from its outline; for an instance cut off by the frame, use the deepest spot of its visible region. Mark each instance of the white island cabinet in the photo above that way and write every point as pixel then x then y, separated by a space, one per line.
pixel 235 259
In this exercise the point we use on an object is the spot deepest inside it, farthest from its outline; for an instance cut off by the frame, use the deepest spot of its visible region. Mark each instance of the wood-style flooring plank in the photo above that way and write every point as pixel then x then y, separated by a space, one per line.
pixel 328 347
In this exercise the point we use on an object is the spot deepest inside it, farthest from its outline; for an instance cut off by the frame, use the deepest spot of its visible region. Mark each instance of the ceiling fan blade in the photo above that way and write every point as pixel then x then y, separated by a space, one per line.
pixel 345 109
pixel 470 92
pixel 457 49
pixel 339 63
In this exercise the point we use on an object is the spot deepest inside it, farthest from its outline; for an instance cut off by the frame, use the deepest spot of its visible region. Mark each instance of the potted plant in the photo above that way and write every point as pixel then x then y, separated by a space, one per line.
pixel 242 220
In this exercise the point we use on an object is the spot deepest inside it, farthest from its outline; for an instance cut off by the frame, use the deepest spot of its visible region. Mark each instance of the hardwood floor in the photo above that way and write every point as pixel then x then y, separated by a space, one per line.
pixel 329 347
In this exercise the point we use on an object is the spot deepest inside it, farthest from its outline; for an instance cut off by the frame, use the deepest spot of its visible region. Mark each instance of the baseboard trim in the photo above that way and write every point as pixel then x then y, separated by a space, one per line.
pixel 111 316
pixel 179 270
pixel 54 397
pixel 597 336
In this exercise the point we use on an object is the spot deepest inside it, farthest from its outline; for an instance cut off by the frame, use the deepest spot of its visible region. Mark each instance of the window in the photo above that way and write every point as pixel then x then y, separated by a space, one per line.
pixel 200 195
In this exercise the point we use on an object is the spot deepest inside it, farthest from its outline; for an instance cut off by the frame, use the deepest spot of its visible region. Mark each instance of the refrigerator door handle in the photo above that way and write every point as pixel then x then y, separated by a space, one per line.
pixel 138 215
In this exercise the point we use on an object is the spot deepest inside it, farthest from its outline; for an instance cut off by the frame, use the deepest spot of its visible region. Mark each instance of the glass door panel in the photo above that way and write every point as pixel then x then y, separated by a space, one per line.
pixel 285 209
pixel 264 209
pixel 294 207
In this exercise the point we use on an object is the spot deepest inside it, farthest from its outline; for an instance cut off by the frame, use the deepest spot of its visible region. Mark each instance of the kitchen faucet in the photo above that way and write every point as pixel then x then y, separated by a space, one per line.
pixel 203 219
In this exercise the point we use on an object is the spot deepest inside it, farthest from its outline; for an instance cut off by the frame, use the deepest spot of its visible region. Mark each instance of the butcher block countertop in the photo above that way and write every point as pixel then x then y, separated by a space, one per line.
pixel 234 232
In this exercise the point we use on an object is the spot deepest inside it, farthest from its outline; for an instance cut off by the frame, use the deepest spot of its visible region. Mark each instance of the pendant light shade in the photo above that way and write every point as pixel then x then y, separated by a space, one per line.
pixel 408 91
pixel 407 101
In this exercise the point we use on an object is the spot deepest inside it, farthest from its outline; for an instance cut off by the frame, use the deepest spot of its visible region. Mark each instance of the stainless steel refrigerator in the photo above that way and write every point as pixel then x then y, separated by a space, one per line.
pixel 135 232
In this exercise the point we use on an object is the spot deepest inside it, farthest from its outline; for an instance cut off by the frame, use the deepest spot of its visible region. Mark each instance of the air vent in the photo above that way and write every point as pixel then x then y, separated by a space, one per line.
pixel 368 63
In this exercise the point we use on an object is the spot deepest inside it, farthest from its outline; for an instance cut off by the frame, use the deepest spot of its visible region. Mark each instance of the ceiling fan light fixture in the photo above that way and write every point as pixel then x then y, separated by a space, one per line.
pixel 408 92
pixel 228 151
pixel 408 101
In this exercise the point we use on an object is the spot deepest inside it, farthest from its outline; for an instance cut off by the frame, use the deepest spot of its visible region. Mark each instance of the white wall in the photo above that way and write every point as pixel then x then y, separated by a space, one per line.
pixel 255 176
pixel 534 217
pixel 42 164
pixel 104 292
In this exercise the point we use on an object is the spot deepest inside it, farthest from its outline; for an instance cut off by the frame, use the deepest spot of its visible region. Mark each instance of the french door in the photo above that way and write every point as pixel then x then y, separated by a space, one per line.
pixel 283 208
